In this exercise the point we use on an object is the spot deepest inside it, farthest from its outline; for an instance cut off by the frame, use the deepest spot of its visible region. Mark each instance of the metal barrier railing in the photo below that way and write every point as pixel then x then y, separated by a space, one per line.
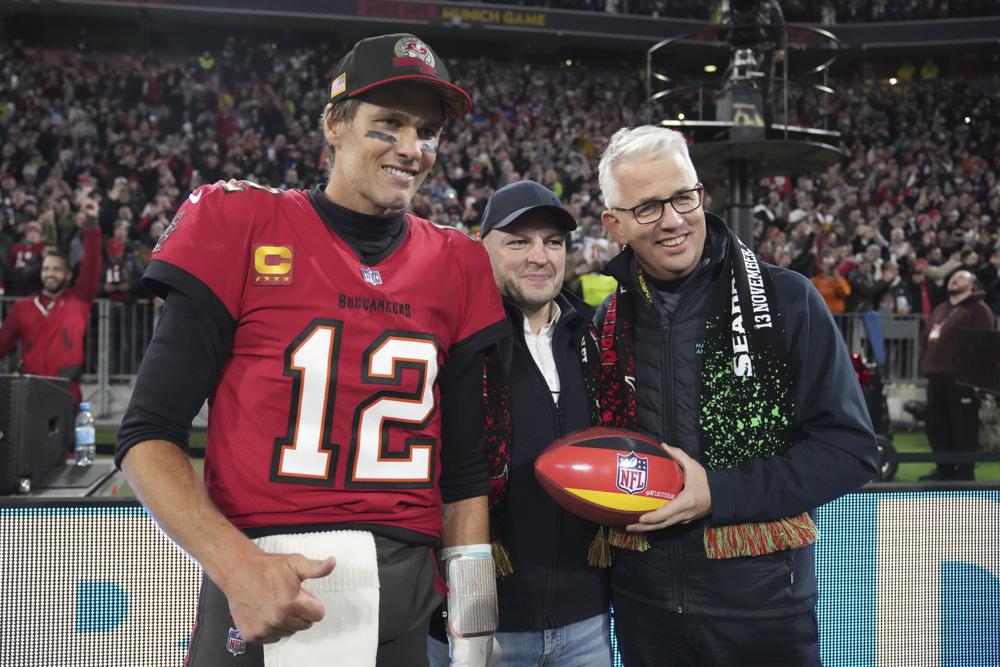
pixel 118 334
pixel 894 338
pixel 116 337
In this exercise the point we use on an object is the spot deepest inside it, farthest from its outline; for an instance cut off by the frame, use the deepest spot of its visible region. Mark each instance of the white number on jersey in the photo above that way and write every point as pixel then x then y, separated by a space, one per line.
pixel 306 454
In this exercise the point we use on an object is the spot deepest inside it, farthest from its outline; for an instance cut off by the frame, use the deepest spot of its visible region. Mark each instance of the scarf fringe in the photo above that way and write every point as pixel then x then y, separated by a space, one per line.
pixel 626 540
pixel 757 539
pixel 501 559
pixel 599 554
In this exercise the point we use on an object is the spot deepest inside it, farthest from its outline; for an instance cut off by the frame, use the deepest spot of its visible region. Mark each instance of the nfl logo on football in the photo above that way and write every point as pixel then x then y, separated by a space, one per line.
pixel 632 473
pixel 235 643
pixel 371 276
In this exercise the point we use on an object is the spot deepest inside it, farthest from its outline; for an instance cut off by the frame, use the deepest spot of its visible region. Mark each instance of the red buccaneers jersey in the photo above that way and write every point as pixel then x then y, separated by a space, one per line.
pixel 327 410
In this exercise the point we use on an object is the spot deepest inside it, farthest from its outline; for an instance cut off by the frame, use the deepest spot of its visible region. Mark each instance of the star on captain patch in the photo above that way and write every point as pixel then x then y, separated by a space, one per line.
pixel 272 264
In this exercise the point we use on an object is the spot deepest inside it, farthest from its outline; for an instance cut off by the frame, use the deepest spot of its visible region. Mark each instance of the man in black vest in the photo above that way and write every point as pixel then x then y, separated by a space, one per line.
pixel 553 605
pixel 738 366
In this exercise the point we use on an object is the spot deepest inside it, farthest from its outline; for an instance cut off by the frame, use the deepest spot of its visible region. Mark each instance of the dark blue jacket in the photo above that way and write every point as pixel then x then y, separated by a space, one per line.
pixel 552 585
pixel 833 453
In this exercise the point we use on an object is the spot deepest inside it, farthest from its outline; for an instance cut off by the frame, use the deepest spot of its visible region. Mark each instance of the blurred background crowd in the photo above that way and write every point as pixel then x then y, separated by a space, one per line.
pixel 825 11
pixel 915 197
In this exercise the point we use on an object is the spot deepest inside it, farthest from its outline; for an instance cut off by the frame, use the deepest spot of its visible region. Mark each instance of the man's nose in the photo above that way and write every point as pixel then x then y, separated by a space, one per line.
pixel 408 143
pixel 670 219
pixel 536 252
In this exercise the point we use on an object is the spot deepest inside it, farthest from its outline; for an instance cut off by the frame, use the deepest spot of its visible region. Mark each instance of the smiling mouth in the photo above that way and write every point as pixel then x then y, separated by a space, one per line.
pixel 673 242
pixel 399 173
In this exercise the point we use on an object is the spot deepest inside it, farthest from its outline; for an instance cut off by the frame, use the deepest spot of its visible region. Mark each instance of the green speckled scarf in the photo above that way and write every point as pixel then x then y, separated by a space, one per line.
pixel 747 396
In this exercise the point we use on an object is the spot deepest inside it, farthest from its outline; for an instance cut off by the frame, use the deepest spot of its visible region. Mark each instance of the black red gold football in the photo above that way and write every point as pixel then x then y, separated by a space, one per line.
pixel 608 475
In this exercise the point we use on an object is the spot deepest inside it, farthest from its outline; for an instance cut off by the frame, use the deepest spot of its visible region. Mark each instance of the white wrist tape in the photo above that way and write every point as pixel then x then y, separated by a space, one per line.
pixel 472 590
pixel 481 651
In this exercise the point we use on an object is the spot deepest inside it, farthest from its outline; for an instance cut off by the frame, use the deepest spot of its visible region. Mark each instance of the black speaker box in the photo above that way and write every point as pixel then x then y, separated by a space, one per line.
pixel 37 421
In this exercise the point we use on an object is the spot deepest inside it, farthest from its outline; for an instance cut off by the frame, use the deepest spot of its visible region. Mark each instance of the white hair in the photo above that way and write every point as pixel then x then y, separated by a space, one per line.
pixel 641 143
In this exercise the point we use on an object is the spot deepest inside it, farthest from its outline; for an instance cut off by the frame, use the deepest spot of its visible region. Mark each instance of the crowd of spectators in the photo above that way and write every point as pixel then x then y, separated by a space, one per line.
pixel 916 197
pixel 799 11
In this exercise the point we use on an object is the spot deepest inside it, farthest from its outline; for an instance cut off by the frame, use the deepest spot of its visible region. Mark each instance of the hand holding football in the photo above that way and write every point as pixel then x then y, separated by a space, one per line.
pixel 608 475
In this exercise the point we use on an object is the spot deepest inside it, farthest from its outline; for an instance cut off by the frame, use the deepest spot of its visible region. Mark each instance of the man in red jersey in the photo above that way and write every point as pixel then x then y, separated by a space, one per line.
pixel 50 325
pixel 338 339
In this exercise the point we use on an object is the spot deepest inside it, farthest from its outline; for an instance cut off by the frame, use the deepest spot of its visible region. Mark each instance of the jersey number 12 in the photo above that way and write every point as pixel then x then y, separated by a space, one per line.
pixel 306 455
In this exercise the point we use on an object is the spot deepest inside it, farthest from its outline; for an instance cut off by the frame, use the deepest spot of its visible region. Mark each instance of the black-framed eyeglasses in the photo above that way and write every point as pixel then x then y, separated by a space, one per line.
pixel 683 202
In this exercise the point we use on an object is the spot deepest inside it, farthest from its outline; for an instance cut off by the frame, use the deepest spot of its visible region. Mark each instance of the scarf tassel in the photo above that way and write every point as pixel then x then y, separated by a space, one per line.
pixel 501 559
pixel 626 540
pixel 599 554
pixel 757 539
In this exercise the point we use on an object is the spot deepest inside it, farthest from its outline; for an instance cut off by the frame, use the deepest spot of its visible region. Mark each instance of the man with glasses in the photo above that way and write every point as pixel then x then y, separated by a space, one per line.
pixel 738 367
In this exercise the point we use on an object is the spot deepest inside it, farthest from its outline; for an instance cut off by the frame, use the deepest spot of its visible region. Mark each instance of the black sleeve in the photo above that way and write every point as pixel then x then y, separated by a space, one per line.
pixel 180 369
pixel 464 467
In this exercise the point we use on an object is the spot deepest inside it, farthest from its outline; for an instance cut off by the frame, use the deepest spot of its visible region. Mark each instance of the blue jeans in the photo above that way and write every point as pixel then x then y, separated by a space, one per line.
pixel 586 643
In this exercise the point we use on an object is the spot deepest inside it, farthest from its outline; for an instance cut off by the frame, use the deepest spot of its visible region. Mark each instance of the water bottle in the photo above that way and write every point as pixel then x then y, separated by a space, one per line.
pixel 86 437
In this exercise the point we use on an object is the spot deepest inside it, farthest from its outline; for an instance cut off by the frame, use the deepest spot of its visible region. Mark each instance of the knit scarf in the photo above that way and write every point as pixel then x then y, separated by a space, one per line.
pixel 746 396
pixel 496 400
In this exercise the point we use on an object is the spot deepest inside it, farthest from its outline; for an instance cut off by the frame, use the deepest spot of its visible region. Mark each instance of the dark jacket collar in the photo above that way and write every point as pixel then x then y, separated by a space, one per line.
pixel 623 267
pixel 571 309
pixel 575 316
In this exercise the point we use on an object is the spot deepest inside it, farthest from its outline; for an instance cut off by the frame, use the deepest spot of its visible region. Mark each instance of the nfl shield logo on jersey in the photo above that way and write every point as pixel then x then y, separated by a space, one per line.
pixel 371 276
pixel 632 472
pixel 235 643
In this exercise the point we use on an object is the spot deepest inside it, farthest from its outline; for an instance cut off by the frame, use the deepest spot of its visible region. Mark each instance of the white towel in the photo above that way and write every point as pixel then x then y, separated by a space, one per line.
pixel 348 633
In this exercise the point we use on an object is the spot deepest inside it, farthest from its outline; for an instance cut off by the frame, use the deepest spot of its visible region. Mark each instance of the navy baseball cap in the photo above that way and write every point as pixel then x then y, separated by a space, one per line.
pixel 512 201
pixel 386 59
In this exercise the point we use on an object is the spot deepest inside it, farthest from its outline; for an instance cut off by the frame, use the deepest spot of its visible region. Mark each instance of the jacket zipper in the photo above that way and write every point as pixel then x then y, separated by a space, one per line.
pixel 551 575
pixel 548 599
pixel 675 550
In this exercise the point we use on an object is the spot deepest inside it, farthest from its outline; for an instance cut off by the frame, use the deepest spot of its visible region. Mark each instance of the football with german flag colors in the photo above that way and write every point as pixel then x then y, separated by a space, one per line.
pixel 608 475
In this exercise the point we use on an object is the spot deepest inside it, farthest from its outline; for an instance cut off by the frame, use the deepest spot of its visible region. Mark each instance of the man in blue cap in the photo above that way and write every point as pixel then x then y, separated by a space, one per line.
pixel 553 605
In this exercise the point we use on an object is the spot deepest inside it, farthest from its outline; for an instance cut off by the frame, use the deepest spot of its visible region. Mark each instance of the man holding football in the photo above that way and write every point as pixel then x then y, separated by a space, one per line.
pixel 315 323
pixel 738 366
pixel 553 605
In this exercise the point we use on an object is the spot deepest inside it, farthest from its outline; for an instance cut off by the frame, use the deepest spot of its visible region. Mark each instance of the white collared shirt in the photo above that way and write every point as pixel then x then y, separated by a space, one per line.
pixel 540 347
